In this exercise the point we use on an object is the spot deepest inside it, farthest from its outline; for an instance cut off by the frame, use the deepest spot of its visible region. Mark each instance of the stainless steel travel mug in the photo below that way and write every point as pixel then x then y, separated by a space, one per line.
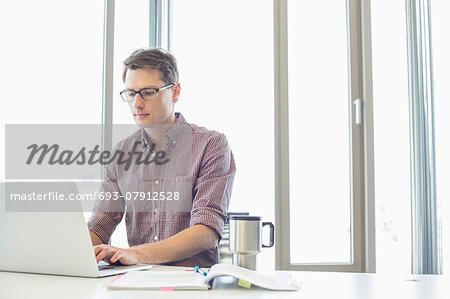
pixel 245 239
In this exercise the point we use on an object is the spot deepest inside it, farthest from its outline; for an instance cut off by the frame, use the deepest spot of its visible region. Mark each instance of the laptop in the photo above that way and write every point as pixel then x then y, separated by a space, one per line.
pixel 46 242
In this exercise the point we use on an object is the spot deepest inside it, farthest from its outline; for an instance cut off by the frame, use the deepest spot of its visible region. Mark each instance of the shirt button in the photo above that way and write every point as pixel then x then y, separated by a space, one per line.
pixel 155 210
pixel 157 182
pixel 155 238
pixel 174 142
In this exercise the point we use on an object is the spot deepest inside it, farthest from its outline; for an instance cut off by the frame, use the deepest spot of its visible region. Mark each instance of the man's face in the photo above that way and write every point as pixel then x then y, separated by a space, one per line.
pixel 156 111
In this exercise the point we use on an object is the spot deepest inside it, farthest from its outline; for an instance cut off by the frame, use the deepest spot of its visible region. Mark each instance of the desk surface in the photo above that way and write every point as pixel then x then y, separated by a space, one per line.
pixel 315 285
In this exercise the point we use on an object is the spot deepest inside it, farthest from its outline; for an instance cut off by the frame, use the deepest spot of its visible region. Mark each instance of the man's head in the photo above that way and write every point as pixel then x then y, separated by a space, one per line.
pixel 151 86
pixel 156 59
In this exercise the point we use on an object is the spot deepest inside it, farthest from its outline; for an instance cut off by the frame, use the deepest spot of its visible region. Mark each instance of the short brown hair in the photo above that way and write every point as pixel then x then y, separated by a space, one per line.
pixel 153 58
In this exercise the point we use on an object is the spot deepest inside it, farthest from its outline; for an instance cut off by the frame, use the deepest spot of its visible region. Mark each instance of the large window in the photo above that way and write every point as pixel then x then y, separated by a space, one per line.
pixel 225 55
pixel 441 66
pixel 226 77
pixel 323 102
pixel 51 63
pixel 411 153
pixel 299 91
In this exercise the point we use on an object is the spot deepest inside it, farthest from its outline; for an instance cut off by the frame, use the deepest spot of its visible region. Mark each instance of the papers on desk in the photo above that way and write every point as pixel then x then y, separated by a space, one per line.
pixel 188 280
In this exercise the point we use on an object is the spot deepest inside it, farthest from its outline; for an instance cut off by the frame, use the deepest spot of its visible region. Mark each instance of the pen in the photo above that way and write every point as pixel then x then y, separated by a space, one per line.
pixel 200 270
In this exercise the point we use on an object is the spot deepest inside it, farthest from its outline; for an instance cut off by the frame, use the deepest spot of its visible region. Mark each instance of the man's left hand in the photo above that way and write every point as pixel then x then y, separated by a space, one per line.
pixel 112 254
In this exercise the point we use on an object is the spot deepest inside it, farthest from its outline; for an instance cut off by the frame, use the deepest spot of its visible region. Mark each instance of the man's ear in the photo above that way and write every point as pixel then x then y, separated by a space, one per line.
pixel 176 92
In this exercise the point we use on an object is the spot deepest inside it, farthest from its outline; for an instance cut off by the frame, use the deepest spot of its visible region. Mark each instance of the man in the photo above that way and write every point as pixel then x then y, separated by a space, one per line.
pixel 191 165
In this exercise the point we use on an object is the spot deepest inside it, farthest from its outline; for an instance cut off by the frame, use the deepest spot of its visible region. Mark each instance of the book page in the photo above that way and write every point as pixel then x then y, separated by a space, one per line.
pixel 271 281
pixel 160 279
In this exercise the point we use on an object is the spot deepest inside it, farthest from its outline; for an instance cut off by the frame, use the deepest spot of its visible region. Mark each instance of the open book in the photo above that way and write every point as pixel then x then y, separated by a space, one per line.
pixel 189 280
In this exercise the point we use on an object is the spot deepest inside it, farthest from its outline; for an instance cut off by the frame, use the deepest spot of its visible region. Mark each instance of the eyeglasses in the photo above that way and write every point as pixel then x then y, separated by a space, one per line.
pixel 146 94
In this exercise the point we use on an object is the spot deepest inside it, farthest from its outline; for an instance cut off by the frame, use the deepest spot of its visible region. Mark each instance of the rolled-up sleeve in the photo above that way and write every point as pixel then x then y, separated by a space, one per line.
pixel 107 214
pixel 212 190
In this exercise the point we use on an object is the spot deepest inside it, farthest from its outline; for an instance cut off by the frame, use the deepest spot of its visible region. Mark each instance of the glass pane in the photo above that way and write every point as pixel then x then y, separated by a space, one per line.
pixel 131 32
pixel 391 134
pixel 52 63
pixel 441 66
pixel 319 145
pixel 226 76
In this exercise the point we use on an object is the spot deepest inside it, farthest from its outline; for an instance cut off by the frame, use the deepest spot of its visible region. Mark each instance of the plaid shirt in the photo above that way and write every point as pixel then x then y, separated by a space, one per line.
pixel 191 185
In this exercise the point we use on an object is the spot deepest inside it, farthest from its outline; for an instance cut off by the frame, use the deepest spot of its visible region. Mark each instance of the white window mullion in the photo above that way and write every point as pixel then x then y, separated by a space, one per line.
pixel 160 24
pixel 426 257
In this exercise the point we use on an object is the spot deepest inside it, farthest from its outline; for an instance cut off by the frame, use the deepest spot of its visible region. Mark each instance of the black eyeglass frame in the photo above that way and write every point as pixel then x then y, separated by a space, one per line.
pixel 124 97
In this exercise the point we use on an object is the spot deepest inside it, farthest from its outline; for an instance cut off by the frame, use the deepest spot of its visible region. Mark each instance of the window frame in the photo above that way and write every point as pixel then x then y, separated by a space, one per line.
pixel 360 87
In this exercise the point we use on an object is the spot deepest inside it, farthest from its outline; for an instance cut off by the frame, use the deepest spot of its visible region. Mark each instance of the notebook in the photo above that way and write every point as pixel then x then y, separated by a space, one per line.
pixel 190 280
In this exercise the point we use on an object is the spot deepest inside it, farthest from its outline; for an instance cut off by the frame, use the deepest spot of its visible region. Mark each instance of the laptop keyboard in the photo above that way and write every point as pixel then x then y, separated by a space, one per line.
pixel 104 267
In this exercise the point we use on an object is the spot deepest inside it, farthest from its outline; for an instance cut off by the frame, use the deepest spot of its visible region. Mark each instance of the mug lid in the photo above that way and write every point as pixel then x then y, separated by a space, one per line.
pixel 243 217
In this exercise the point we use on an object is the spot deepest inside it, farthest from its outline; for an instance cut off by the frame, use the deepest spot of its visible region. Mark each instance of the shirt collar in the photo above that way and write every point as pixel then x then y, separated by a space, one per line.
pixel 173 134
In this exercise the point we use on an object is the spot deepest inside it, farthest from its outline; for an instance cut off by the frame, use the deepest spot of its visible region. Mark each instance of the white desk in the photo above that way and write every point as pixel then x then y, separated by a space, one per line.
pixel 315 285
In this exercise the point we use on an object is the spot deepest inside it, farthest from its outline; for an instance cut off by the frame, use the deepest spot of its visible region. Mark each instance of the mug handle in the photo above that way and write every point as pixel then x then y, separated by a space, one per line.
pixel 272 231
